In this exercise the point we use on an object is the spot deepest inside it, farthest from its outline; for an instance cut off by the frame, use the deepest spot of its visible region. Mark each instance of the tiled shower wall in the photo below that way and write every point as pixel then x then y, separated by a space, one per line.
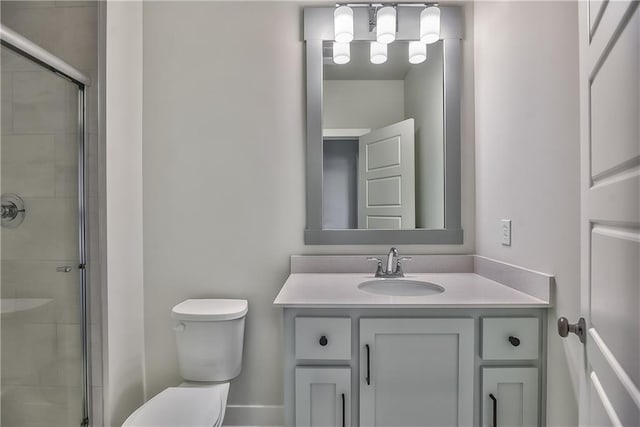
pixel 39 163
pixel 41 351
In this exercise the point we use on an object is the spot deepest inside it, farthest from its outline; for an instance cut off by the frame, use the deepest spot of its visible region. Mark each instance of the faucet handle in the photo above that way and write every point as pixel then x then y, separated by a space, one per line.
pixel 399 264
pixel 379 271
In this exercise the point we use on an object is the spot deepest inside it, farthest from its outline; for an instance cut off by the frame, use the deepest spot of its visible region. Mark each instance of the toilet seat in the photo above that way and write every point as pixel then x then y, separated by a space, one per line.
pixel 186 406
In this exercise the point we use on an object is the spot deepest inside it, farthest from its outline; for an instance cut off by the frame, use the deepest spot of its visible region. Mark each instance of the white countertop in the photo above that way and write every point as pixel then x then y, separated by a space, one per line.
pixel 462 290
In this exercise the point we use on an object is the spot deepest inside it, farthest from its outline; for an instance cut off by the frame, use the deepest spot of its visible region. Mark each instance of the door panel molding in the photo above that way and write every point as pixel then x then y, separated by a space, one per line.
pixel 614 381
pixel 610 211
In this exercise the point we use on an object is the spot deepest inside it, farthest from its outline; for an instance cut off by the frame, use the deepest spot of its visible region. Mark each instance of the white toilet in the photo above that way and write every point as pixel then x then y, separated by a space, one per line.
pixel 209 334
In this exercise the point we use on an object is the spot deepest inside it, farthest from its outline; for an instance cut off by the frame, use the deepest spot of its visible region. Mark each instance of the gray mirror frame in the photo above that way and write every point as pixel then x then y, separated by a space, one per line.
pixel 318 27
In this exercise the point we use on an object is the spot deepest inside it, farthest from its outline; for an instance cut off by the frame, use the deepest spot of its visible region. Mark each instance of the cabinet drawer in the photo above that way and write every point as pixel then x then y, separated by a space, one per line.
pixel 510 338
pixel 325 338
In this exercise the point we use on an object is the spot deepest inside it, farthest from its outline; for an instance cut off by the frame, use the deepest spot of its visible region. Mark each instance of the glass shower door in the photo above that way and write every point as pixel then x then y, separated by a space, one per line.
pixel 40 290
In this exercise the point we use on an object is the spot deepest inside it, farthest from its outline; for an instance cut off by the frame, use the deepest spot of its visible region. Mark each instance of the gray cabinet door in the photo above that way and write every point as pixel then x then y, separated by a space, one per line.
pixel 515 391
pixel 416 372
pixel 323 397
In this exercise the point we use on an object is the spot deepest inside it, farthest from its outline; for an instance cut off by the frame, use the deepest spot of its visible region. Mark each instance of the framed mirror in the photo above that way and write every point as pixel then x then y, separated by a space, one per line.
pixel 383 140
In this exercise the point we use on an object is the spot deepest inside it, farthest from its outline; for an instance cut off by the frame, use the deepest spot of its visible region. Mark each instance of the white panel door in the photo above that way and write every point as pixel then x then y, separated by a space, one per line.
pixel 323 397
pixel 416 372
pixel 386 178
pixel 510 397
pixel 610 212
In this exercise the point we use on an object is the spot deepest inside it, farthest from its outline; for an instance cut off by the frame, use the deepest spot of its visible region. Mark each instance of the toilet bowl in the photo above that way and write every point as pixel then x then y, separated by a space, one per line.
pixel 209 338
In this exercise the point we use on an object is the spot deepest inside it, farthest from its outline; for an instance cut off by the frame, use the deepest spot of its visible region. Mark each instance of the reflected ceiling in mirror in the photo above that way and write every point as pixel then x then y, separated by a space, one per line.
pixel 383 140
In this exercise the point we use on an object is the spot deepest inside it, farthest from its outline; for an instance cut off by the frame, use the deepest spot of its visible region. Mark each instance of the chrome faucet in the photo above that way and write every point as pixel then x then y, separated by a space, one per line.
pixel 393 252
pixel 390 271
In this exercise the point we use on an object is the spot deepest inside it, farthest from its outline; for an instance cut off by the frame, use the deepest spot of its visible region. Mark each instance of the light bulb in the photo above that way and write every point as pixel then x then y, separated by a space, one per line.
pixel 386 25
pixel 343 24
pixel 430 25
pixel 341 53
pixel 417 52
pixel 378 53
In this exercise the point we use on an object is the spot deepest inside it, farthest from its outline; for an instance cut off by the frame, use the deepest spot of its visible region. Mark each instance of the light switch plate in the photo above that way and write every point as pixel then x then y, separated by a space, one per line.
pixel 505 232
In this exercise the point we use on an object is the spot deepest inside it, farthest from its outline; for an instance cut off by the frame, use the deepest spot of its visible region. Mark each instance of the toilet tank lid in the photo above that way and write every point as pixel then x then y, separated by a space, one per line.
pixel 210 309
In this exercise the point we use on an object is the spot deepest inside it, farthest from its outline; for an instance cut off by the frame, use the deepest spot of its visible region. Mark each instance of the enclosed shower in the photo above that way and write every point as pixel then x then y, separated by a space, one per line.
pixel 45 376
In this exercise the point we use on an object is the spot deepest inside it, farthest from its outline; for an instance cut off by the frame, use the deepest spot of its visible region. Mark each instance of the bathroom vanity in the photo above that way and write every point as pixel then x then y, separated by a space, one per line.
pixel 471 354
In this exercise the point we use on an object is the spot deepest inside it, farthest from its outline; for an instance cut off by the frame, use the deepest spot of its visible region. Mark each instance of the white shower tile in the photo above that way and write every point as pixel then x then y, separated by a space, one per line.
pixel 39 279
pixel 75 3
pixel 42 103
pixel 66 165
pixel 66 149
pixel 11 61
pixel 35 279
pixel 8 6
pixel 69 355
pixel 67 32
pixel 41 406
pixel 39 350
pixel 67 301
pixel 28 149
pixel 6 92
pixel 29 180
pixel 66 181
pixel 15 367
pixel 49 231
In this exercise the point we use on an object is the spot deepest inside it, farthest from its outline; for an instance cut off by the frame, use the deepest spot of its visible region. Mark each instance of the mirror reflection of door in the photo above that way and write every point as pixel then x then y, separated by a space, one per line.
pixel 360 101
pixel 386 178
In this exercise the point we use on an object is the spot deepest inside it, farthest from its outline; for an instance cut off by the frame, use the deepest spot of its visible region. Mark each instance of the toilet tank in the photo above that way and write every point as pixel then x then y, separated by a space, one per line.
pixel 210 336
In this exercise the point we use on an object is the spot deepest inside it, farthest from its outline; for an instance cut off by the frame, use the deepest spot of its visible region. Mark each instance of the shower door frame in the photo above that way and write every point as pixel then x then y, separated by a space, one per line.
pixel 24 47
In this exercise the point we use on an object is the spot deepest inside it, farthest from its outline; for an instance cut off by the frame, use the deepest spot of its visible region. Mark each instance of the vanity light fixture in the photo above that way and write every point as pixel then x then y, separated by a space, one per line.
pixel 343 24
pixel 341 53
pixel 383 20
pixel 417 52
pixel 430 24
pixel 386 25
pixel 378 53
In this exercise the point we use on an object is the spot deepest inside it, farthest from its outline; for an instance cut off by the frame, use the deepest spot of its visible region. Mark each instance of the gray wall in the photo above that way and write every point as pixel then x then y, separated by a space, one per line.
pixel 358 104
pixel 224 175
pixel 424 101
pixel 123 301
pixel 527 158
pixel 340 184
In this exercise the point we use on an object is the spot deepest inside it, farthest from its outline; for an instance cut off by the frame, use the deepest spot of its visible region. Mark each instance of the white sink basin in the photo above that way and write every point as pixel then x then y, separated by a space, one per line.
pixel 400 287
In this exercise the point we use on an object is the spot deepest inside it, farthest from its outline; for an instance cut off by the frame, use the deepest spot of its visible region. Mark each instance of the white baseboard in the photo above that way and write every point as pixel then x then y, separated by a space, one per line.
pixel 254 415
